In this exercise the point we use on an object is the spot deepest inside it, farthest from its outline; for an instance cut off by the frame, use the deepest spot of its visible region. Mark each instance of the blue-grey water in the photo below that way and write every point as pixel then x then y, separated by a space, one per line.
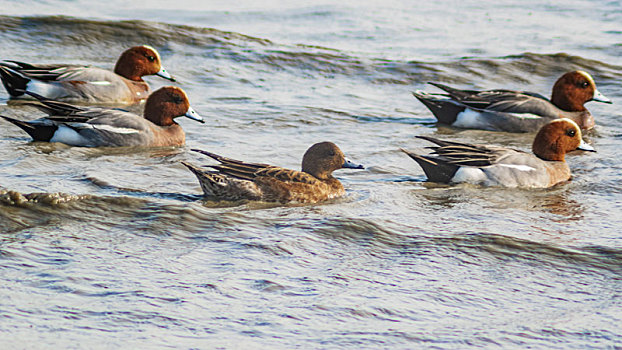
pixel 115 248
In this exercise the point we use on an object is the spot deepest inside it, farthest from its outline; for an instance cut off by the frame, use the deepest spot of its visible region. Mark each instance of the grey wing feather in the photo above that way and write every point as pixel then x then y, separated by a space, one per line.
pixel 52 107
pixel 233 167
pixel 462 153
pixel 50 72
pixel 507 101
pixel 518 102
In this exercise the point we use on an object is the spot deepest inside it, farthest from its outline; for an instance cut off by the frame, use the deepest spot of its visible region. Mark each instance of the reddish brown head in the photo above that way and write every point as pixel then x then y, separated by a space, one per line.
pixel 138 61
pixel 557 138
pixel 168 103
pixel 574 89
pixel 323 158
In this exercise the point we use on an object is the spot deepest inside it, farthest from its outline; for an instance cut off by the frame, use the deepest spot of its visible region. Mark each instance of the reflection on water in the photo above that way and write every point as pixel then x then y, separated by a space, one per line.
pixel 120 240
pixel 557 200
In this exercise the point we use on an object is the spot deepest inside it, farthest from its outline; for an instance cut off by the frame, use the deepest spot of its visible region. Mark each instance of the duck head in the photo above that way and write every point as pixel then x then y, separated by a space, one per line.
pixel 557 138
pixel 168 103
pixel 574 89
pixel 323 158
pixel 138 61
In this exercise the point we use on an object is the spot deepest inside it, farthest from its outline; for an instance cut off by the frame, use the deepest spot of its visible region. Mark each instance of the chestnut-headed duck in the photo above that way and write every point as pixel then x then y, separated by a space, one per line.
pixel 74 83
pixel 112 127
pixel 455 162
pixel 515 111
pixel 234 180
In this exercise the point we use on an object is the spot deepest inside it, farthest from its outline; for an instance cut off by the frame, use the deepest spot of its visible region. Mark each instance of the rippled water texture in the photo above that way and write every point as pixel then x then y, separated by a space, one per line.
pixel 109 248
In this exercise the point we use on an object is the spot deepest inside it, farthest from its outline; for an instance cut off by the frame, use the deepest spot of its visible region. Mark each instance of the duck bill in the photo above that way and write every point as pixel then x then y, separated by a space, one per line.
pixel 192 114
pixel 350 165
pixel 164 74
pixel 598 97
pixel 585 147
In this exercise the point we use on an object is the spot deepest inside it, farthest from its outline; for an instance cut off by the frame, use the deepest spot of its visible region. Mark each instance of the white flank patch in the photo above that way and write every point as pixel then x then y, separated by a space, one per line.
pixel 470 175
pixel 44 89
pixel 468 119
pixel 518 167
pixel 68 136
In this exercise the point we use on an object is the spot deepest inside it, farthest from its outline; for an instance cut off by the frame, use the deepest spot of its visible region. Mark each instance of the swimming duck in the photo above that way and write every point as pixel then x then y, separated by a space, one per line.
pixel 112 127
pixel 455 162
pixel 74 83
pixel 236 180
pixel 515 111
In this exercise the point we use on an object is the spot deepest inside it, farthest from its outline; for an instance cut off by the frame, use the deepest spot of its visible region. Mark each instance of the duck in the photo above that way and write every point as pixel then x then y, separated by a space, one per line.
pixel 454 162
pixel 515 111
pixel 86 84
pixel 112 127
pixel 234 180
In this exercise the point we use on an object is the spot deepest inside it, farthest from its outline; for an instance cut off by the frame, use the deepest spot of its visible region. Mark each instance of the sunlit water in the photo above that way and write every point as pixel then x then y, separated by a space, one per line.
pixel 107 248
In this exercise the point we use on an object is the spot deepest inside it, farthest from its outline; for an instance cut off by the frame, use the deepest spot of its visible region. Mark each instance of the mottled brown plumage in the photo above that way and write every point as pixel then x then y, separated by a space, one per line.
pixel 235 180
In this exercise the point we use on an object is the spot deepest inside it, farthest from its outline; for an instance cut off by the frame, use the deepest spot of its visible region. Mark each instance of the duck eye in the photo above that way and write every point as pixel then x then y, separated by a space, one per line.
pixel 177 99
pixel 584 84
pixel 331 153
pixel 150 58
pixel 571 132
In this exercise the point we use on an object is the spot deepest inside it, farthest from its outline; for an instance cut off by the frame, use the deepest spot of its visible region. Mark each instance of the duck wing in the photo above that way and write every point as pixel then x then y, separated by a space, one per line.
pixel 462 154
pixel 63 73
pixel 44 72
pixel 505 101
pixel 52 107
pixel 251 171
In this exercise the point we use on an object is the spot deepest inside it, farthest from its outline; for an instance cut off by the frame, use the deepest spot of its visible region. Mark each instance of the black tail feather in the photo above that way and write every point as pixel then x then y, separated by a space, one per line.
pixel 38 132
pixel 435 169
pixel 14 82
pixel 52 107
pixel 445 110
pixel 19 65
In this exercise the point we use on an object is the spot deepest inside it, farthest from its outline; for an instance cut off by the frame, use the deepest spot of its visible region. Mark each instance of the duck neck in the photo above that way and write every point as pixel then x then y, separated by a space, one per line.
pixel 128 71
pixel 158 115
pixel 550 153
pixel 320 175
pixel 169 136
pixel 564 101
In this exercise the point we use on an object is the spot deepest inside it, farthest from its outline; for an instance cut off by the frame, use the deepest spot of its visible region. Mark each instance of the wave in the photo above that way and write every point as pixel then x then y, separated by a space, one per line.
pixel 210 43
pixel 469 246
pixel 22 211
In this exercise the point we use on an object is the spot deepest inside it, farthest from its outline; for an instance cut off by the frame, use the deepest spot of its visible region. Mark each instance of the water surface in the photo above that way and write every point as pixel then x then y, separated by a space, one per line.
pixel 105 248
